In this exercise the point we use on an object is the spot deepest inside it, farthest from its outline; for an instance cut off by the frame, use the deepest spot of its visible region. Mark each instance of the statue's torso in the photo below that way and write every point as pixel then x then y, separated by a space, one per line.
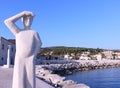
pixel 25 43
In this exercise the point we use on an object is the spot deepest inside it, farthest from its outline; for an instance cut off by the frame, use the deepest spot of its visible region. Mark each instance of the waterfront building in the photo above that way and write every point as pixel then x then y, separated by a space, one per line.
pixel 51 57
pixel 4 50
pixel 84 58
pixel 66 56
pixel 86 53
pixel 108 54
pixel 97 56
pixel 116 55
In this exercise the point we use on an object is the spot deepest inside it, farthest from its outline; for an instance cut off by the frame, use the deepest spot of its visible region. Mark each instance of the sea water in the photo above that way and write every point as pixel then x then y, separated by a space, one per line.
pixel 101 78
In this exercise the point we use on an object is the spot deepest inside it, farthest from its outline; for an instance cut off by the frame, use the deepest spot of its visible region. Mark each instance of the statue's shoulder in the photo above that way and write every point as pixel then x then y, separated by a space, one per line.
pixel 32 31
pixel 25 32
pixel 35 32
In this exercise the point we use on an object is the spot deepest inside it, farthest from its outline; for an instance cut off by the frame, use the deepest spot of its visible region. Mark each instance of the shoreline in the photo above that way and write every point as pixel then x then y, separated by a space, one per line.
pixel 47 77
pixel 55 80
pixel 53 72
pixel 71 66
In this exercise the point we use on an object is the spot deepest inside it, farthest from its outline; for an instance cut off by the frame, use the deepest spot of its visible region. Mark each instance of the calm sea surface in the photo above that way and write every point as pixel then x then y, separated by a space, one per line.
pixel 101 78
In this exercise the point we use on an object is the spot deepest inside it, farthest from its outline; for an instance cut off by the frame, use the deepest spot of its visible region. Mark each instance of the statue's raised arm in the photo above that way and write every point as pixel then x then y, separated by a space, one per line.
pixel 10 22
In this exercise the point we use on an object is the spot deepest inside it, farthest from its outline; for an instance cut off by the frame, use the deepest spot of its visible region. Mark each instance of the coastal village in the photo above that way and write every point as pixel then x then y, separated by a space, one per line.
pixel 77 53
pixel 60 53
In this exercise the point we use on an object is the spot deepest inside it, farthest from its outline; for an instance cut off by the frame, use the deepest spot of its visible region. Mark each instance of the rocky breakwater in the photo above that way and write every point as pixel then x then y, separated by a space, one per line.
pixel 81 65
pixel 56 80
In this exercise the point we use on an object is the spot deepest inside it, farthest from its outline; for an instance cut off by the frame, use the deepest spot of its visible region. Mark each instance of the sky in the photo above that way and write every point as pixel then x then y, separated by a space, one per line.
pixel 73 23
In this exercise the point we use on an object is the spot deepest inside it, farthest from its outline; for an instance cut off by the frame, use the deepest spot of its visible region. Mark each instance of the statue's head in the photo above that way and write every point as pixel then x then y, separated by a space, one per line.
pixel 27 20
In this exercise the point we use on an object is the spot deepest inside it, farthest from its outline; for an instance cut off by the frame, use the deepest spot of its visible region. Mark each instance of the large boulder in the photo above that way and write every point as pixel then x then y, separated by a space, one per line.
pixel 54 78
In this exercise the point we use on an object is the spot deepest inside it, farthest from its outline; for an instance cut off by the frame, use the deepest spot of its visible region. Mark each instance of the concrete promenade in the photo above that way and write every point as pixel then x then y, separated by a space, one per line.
pixel 6 75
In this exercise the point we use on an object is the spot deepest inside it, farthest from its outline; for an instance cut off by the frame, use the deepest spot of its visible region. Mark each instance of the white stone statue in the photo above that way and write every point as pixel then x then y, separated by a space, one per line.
pixel 28 44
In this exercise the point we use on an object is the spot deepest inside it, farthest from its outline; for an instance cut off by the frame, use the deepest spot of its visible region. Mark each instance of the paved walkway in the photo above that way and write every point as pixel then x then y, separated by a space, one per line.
pixel 6 75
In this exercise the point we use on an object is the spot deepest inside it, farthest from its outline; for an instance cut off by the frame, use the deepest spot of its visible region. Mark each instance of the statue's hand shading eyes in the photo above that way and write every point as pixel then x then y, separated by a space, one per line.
pixel 27 13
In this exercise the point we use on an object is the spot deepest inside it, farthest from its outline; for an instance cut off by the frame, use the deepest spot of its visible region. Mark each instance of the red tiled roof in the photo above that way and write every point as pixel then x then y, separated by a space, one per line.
pixel 12 40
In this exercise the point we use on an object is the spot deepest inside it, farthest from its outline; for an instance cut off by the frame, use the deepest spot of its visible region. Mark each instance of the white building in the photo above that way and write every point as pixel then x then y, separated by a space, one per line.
pixel 84 58
pixel 97 56
pixel 66 56
pixel 108 54
pixel 116 55
pixel 4 49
